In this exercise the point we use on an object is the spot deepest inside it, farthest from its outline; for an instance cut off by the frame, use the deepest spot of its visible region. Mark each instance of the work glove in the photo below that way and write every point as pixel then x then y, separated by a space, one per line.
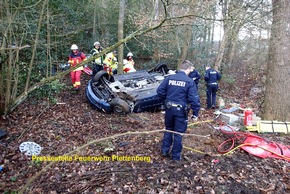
pixel 194 118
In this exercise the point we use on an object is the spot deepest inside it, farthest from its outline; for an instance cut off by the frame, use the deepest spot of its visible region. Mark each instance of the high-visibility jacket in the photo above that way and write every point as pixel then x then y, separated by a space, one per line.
pixel 76 58
pixel 114 65
pixel 109 59
pixel 97 61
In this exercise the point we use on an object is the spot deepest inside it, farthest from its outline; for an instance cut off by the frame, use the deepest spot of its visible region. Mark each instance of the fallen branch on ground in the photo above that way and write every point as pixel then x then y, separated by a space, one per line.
pixel 99 140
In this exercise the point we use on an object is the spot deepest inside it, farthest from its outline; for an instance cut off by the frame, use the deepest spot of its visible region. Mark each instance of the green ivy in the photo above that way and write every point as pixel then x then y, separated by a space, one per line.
pixel 50 91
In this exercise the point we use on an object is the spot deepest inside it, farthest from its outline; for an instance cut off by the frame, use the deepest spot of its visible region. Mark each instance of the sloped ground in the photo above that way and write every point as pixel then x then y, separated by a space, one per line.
pixel 63 127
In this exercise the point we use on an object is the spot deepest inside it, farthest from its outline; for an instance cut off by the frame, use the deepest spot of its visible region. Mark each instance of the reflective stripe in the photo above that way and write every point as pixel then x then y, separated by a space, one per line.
pixel 79 68
pixel 176 105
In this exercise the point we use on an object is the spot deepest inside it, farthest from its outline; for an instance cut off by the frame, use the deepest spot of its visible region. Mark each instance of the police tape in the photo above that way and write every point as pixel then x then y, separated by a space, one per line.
pixel 200 122
pixel 191 149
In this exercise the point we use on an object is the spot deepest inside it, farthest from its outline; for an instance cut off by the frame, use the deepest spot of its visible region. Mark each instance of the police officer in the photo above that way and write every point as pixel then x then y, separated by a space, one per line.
pixel 211 77
pixel 178 91
pixel 195 76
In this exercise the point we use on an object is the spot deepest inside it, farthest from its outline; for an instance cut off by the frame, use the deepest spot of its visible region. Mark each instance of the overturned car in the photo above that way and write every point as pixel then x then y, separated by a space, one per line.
pixel 125 93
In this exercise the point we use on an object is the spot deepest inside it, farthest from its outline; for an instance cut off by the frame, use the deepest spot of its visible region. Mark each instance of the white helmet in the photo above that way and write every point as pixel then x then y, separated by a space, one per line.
pixel 74 47
pixel 97 43
pixel 130 55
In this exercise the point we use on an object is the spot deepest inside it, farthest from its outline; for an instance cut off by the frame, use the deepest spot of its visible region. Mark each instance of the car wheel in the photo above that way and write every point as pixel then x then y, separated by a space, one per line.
pixel 120 106
pixel 162 67
pixel 101 75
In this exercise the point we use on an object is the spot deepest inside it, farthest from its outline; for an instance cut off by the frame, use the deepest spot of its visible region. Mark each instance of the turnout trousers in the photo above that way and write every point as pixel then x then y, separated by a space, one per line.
pixel 76 78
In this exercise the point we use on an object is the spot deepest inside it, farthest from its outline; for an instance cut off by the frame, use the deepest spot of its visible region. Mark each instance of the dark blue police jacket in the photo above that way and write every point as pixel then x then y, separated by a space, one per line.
pixel 180 89
pixel 211 76
pixel 195 74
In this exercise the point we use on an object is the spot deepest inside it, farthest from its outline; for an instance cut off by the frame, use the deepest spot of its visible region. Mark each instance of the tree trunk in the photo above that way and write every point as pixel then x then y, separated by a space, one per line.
pixel 277 103
pixel 9 78
pixel 155 10
pixel 121 35
pixel 35 46
pixel 95 20
pixel 48 54
pixel 175 32
pixel 231 47
pixel 186 43
pixel 234 20
pixel 7 71
pixel 223 43
pixel 220 55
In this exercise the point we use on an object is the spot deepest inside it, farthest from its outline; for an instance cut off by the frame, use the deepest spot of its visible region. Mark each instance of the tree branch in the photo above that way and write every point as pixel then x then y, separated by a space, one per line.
pixel 96 141
pixel 15 48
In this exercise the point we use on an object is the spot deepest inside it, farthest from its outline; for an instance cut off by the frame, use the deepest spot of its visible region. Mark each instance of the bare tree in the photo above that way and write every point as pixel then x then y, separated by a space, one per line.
pixel 34 46
pixel 237 14
pixel 232 24
pixel 277 103
pixel 11 45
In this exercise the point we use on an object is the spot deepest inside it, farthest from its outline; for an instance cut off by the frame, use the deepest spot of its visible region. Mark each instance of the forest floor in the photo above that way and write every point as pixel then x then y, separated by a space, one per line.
pixel 62 127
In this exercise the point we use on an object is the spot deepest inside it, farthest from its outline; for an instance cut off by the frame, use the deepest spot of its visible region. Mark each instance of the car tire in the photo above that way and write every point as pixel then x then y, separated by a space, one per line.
pixel 120 106
pixel 100 75
pixel 162 67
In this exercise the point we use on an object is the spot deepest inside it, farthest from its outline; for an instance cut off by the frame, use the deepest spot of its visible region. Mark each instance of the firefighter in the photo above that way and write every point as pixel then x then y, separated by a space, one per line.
pixel 130 59
pixel 109 62
pixel 211 78
pixel 195 76
pixel 97 63
pixel 178 91
pixel 74 58
pixel 129 63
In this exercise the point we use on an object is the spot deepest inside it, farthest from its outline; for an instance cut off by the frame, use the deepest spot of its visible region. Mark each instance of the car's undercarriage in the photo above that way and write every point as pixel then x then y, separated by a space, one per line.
pixel 124 93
